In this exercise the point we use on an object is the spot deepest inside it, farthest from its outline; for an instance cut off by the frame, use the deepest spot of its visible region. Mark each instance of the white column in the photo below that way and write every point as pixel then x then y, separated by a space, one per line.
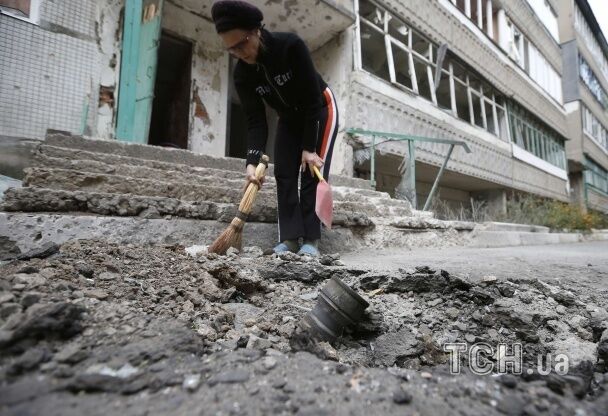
pixel 467 8
pixel 503 30
pixel 454 2
pixel 480 13
pixel 489 19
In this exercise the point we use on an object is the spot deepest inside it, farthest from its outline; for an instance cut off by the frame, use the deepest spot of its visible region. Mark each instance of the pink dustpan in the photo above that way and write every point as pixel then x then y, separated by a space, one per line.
pixel 325 204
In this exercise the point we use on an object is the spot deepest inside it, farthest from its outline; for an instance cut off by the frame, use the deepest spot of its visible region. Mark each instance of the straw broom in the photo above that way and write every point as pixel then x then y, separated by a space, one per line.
pixel 233 235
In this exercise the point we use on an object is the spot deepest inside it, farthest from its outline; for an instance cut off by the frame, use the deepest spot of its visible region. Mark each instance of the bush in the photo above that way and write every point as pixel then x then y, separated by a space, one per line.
pixel 524 209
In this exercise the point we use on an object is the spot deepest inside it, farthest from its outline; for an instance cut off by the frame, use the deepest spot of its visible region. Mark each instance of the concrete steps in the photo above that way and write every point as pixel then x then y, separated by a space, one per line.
pixel 50 157
pixel 73 180
pixel 128 205
pixel 60 158
pixel 162 155
pixel 93 181
pixel 229 192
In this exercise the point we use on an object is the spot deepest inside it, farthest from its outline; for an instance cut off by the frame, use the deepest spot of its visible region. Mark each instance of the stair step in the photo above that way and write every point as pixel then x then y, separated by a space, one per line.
pixel 56 173
pixel 58 200
pixel 63 158
pixel 112 148
pixel 73 180
pixel 203 176
pixel 146 152
pixel 37 199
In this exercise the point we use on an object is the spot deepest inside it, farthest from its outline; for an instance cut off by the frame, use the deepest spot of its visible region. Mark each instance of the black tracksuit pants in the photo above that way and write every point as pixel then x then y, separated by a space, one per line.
pixel 297 217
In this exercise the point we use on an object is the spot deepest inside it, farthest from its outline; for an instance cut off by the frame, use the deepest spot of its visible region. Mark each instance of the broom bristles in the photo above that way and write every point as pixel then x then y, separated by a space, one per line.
pixel 231 237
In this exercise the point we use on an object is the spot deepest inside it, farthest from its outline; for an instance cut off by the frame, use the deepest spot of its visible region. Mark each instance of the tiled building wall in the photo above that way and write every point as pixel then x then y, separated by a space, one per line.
pixel 49 72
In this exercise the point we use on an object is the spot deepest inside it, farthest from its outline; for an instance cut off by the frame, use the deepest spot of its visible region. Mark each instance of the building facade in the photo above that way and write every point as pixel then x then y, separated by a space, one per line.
pixel 493 74
pixel 585 54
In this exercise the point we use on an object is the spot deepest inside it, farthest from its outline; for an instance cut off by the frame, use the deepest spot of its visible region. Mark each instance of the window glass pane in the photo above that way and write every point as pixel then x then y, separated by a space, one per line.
pixel 373 52
pixel 420 44
pixel 459 71
pixel 442 93
pixel 462 102
pixel 474 83
pixel 422 77
pixel 477 110
pixel 371 13
pixel 490 117
pixel 402 74
pixel 399 31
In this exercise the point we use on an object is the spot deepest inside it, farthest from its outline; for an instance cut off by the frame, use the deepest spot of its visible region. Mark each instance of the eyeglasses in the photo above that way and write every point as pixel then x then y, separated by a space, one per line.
pixel 239 47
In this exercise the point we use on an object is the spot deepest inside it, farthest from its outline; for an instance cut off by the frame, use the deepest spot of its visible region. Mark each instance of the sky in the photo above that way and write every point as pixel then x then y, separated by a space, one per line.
pixel 600 10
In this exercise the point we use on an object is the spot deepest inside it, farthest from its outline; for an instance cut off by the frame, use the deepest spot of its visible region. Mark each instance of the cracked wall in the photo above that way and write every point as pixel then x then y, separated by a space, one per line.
pixel 108 26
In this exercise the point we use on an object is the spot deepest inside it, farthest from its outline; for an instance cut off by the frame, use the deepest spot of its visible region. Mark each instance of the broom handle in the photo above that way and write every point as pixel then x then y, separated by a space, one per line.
pixel 252 189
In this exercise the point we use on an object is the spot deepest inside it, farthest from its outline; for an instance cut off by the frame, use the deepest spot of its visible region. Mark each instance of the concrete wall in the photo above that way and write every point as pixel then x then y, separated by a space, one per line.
pixel 334 61
pixel 597 201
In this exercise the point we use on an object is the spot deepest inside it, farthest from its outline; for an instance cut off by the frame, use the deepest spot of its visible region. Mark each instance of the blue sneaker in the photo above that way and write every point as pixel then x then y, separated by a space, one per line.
pixel 283 248
pixel 309 250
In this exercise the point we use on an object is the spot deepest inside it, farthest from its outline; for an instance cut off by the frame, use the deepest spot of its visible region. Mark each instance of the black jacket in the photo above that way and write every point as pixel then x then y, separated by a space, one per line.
pixel 285 77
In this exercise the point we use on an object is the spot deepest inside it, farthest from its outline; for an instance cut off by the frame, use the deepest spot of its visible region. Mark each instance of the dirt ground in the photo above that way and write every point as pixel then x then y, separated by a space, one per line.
pixel 96 328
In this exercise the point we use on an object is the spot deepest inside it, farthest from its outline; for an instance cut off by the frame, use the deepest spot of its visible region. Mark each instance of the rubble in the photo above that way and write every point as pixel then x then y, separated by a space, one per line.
pixel 136 321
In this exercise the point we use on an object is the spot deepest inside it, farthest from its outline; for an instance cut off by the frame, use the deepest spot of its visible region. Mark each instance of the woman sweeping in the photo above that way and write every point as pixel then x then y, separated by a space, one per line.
pixel 276 68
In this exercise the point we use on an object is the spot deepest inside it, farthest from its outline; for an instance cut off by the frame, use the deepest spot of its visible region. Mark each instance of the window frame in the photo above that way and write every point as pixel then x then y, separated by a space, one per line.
pixel 427 60
pixel 537 138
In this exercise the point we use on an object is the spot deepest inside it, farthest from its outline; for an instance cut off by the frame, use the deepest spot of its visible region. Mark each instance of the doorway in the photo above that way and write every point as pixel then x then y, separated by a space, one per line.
pixel 169 125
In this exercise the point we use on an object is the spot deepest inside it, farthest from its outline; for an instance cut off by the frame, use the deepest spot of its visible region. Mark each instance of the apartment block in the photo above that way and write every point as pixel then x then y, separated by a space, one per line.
pixel 585 54
pixel 519 82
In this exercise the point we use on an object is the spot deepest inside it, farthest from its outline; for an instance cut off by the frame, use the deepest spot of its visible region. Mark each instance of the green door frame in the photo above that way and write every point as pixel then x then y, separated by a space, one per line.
pixel 141 37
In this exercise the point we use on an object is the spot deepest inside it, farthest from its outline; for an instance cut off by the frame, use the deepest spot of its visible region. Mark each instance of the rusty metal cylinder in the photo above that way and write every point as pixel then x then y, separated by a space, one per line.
pixel 337 308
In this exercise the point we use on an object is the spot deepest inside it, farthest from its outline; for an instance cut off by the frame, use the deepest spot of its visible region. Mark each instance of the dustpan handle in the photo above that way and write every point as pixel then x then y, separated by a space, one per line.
pixel 317 173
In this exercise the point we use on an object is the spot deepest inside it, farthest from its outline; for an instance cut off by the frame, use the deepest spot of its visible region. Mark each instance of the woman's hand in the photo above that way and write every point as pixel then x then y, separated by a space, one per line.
pixel 250 177
pixel 311 159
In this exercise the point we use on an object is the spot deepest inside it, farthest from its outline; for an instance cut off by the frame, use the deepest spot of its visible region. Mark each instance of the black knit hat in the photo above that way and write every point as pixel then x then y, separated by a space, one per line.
pixel 234 14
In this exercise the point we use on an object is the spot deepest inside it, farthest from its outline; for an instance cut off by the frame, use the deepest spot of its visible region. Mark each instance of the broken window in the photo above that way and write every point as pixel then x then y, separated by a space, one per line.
pixel 536 137
pixel 590 40
pixel 533 62
pixel 591 81
pixel 394 51
pixel 373 52
pixel 422 76
pixel 462 101
pixel 21 9
pixel 444 89
pixel 420 45
pixel 399 32
pixel 401 60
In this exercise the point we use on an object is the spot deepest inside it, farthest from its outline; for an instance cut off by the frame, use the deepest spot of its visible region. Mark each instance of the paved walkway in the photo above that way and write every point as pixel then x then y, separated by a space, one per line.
pixel 582 263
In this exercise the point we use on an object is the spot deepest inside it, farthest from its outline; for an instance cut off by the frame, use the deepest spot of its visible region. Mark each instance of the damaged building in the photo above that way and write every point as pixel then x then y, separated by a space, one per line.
pixel 521 83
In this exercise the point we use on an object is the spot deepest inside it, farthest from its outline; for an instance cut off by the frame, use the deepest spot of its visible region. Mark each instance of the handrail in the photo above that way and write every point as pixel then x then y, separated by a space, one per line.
pixel 401 137
pixel 412 158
